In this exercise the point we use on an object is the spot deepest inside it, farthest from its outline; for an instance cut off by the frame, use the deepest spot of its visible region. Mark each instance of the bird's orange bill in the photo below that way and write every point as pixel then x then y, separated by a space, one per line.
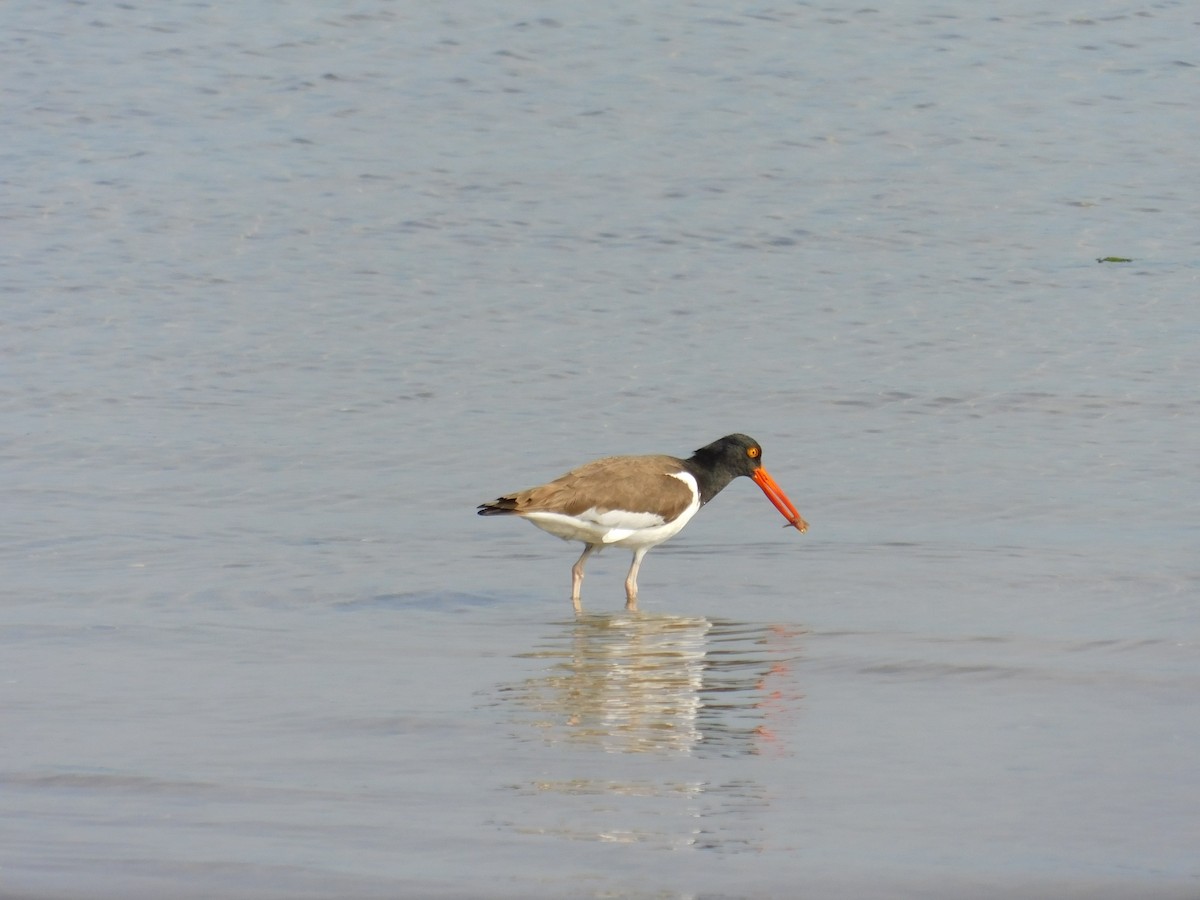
pixel 776 495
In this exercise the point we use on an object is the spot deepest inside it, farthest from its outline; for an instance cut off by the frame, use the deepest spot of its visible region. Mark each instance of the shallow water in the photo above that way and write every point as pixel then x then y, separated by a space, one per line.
pixel 289 295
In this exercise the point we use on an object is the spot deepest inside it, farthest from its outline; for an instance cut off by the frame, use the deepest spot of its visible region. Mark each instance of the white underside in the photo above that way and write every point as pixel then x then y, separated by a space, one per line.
pixel 618 527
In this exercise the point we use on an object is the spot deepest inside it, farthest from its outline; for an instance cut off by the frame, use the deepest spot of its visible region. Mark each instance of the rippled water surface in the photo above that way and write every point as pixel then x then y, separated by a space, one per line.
pixel 290 290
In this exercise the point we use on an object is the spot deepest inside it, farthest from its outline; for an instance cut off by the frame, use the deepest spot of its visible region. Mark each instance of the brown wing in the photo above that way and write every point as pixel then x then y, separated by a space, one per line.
pixel 632 483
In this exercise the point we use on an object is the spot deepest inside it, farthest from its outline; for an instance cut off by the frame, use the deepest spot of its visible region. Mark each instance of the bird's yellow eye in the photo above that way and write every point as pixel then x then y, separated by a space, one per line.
pixel 753 452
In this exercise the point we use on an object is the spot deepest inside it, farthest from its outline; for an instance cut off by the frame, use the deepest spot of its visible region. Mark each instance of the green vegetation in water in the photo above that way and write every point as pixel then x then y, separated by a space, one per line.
pixel 1113 259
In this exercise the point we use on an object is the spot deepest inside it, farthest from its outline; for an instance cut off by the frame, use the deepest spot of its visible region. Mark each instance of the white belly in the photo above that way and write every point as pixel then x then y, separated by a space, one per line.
pixel 617 527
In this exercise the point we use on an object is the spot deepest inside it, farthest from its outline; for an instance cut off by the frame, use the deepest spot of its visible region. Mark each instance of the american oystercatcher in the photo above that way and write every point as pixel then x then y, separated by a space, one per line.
pixel 638 502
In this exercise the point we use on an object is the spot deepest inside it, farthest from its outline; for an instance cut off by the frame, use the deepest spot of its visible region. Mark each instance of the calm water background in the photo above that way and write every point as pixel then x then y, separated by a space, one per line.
pixel 289 288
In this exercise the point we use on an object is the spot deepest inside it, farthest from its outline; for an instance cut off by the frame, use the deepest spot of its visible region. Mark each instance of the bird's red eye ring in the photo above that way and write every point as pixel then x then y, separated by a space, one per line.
pixel 753 452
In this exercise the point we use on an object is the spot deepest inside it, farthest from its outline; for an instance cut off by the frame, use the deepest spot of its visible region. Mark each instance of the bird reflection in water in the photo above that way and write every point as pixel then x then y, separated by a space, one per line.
pixel 654 690
pixel 642 683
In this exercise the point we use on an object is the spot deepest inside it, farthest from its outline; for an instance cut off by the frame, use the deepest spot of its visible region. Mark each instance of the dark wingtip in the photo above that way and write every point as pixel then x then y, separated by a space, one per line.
pixel 496 508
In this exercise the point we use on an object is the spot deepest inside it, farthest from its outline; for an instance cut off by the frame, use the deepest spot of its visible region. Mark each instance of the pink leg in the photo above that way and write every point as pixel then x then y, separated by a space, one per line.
pixel 631 579
pixel 577 575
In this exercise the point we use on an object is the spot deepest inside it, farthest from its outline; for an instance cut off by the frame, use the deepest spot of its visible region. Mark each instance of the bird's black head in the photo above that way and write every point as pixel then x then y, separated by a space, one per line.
pixel 722 461
pixel 738 454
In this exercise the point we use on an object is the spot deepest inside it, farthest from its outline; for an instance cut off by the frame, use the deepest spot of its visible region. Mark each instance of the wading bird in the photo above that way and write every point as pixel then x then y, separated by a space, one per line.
pixel 637 502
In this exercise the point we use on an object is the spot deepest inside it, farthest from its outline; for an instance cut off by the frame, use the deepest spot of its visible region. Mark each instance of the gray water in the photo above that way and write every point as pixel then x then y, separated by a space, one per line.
pixel 289 288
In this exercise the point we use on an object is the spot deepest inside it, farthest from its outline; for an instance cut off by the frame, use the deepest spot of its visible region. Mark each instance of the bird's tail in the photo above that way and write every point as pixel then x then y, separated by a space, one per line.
pixel 501 506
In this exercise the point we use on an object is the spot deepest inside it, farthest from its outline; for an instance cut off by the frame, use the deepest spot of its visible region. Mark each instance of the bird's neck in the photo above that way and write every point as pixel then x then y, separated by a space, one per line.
pixel 711 477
